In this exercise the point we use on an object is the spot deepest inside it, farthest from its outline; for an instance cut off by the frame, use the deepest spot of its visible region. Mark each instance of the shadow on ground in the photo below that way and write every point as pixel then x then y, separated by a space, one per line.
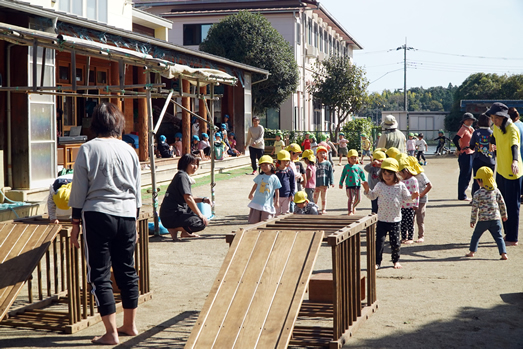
pixel 172 333
pixel 470 328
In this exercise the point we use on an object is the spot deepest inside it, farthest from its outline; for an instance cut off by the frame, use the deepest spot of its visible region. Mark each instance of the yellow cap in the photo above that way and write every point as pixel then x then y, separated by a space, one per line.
pixel 383 150
pixel 300 197
pixel 265 159
pixel 404 163
pixel 352 152
pixel 379 155
pixel 284 155
pixel 61 198
pixel 415 165
pixel 392 152
pixel 307 152
pixel 311 157
pixel 487 177
pixel 321 148
pixel 390 164
pixel 401 156
pixel 293 147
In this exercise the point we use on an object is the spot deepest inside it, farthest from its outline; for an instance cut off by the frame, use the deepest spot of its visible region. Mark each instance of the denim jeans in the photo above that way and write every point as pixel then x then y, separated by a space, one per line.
pixel 495 230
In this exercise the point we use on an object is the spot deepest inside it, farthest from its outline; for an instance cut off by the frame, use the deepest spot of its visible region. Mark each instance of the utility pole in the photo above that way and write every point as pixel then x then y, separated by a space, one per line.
pixel 405 48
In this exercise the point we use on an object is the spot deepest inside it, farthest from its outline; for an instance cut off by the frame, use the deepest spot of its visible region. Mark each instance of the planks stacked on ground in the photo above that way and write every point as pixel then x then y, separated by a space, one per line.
pixel 259 292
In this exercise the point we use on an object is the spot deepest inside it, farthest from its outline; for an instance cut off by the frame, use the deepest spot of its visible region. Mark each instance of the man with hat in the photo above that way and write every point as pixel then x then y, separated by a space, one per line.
pixel 462 142
pixel 392 137
pixel 509 169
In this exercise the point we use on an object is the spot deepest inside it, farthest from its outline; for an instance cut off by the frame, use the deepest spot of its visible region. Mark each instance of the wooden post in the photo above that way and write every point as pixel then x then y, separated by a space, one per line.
pixel 143 153
pixel 186 119
pixel 115 80
pixel 203 110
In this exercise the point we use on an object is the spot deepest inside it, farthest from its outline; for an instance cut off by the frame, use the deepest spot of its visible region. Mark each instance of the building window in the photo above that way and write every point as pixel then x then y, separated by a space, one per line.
pixel 310 32
pixel 321 40
pixel 94 9
pixel 315 35
pixel 304 21
pixel 271 119
pixel 194 34
pixel 326 38
pixel 298 33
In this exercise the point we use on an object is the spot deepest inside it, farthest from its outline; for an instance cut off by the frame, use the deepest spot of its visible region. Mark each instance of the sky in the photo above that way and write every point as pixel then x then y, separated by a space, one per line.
pixel 451 39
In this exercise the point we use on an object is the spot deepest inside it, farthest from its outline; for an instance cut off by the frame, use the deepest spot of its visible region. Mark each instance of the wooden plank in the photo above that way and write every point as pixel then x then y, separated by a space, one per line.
pixel 232 267
pixel 247 290
pixel 294 282
pixel 18 264
pixel 269 283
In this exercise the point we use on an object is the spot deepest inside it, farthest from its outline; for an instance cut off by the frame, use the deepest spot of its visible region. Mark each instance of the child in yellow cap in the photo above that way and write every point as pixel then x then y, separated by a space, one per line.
pixel 324 178
pixel 488 207
pixel 288 185
pixel 390 192
pixel 353 176
pixel 303 205
pixel 373 169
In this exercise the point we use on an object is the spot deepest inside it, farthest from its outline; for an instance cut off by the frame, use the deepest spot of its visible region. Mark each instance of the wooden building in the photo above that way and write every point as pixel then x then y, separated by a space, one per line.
pixel 55 67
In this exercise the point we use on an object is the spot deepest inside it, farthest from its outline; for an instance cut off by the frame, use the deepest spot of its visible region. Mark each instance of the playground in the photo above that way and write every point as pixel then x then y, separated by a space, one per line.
pixel 440 299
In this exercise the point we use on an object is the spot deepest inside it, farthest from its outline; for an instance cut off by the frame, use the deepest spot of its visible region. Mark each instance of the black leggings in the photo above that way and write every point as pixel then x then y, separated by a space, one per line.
pixel 421 154
pixel 393 228
pixel 255 155
pixel 110 241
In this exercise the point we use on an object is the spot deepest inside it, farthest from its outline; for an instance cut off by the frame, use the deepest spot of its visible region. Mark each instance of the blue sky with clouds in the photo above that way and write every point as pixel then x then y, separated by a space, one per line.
pixel 451 39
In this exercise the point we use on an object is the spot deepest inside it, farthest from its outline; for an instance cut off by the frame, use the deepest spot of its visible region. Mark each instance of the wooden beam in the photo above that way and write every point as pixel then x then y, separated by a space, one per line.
pixel 143 153
pixel 202 110
pixel 186 119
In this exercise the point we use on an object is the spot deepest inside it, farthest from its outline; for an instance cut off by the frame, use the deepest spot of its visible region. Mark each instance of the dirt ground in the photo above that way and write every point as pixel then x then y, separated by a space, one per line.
pixel 440 299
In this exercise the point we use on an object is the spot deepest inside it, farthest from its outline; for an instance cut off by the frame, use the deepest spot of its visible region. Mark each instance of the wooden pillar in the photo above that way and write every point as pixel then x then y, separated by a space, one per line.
pixel 115 80
pixel 128 103
pixel 203 110
pixel 186 119
pixel 142 120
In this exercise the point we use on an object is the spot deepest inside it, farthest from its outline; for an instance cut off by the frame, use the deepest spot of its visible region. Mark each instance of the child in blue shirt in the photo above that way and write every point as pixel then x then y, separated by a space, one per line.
pixel 353 176
pixel 324 178
pixel 264 194
pixel 288 186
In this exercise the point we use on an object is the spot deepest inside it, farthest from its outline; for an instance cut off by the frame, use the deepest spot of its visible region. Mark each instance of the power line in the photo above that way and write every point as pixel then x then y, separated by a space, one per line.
pixel 392 71
pixel 469 56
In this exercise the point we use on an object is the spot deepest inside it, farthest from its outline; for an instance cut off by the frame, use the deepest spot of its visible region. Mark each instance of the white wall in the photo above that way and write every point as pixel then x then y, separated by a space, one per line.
pixel 119 12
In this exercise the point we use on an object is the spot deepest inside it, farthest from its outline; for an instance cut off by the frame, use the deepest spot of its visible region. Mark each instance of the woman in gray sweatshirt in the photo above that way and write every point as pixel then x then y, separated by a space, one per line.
pixel 105 197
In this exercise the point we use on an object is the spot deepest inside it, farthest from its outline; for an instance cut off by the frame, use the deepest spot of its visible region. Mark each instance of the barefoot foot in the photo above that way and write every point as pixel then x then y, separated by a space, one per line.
pixel 470 254
pixel 420 240
pixel 397 265
pixel 189 235
pixel 127 331
pixel 408 242
pixel 106 339
pixel 377 266
pixel 504 257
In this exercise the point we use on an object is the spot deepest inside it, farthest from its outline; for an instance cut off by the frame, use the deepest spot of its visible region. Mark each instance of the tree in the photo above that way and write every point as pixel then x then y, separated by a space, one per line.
pixel 341 86
pixel 476 86
pixel 249 38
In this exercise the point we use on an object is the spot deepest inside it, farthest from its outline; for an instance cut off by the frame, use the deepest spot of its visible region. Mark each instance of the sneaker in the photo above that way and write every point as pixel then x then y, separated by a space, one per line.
pixel 253 173
pixel 425 163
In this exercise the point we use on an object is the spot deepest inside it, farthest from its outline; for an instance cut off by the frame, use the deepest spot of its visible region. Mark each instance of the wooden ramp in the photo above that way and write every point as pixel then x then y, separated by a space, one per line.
pixel 257 295
pixel 21 248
